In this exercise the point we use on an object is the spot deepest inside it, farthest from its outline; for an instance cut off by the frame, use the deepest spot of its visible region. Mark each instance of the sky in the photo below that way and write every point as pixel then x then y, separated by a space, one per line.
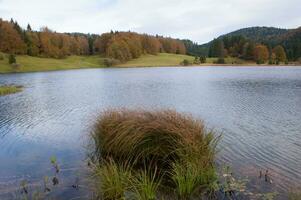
pixel 198 20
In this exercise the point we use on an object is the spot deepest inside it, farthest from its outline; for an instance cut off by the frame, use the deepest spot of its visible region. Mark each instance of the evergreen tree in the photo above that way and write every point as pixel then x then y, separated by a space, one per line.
pixel 217 49
pixel 29 27
pixel 12 59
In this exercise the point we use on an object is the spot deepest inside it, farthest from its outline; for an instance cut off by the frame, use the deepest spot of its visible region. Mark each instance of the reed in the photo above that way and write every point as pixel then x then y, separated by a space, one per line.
pixel 9 89
pixel 161 147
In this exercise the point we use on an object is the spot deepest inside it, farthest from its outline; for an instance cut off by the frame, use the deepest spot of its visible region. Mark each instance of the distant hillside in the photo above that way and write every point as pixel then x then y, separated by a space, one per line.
pixel 259 34
pixel 290 39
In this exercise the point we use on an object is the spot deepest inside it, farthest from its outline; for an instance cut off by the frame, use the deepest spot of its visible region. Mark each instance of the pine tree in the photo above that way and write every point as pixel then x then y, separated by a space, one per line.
pixel 29 27
pixel 12 59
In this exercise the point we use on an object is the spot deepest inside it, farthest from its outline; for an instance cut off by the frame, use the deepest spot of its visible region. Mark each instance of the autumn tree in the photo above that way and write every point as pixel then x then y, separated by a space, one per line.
pixel 116 45
pixel 261 54
pixel 280 54
pixel 150 44
pixel 10 40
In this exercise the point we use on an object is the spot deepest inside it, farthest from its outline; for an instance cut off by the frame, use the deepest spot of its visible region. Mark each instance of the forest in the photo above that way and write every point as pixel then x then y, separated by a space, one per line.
pixel 240 47
pixel 122 46
pixel 256 44
pixel 260 44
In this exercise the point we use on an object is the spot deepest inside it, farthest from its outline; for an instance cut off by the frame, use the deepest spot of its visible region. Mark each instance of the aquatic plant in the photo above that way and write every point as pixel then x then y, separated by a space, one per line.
pixel 294 194
pixel 9 89
pixel 113 180
pixel 146 185
pixel 161 147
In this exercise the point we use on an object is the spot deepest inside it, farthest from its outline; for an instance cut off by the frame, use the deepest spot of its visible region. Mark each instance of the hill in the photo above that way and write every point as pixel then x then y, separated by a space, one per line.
pixel 259 34
pixel 290 39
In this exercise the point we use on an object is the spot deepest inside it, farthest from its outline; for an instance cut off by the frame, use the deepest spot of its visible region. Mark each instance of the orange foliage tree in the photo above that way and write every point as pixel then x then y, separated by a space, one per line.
pixel 10 40
pixel 261 54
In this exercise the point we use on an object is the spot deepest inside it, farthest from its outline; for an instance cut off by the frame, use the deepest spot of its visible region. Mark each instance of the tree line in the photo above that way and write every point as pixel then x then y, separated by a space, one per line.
pixel 122 46
pixel 43 43
pixel 125 46
pixel 241 47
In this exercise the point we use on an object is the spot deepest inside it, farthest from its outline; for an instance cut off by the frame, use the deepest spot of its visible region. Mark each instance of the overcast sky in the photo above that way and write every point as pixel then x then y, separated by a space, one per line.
pixel 198 20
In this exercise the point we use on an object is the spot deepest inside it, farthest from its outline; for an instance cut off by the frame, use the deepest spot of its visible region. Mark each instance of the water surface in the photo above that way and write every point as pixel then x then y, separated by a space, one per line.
pixel 258 111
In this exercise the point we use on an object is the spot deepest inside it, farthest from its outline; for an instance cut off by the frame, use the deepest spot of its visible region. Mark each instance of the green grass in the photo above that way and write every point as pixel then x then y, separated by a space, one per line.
pixel 162 59
pixel 165 150
pixel 165 59
pixel 112 180
pixel 229 61
pixel 294 195
pixel 9 89
pixel 35 64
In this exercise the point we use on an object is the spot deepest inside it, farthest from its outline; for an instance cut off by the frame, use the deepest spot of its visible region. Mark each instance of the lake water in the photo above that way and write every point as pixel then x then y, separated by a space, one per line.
pixel 258 111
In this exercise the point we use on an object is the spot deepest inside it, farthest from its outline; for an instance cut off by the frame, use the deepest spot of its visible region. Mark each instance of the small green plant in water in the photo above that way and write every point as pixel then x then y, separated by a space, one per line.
pixel 113 181
pixel 146 185
pixel 191 179
pixel 9 89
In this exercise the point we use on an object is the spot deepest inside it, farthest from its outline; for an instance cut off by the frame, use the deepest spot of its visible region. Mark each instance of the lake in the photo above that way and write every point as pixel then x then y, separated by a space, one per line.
pixel 257 110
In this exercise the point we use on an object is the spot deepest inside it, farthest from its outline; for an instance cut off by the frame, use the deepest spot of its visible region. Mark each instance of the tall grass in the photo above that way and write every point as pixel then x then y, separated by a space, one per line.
pixel 294 194
pixel 162 147
pixel 113 181
pixel 146 185
pixel 9 89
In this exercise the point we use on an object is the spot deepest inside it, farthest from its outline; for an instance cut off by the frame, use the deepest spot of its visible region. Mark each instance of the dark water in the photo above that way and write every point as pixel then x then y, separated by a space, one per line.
pixel 258 110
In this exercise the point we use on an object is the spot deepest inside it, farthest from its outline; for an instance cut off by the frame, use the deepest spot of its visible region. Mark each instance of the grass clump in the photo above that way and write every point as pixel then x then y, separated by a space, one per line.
pixel 1 56
pixel 9 89
pixel 186 62
pixel 191 179
pixel 167 152
pixel 113 180
pixel 294 195
pixel 146 185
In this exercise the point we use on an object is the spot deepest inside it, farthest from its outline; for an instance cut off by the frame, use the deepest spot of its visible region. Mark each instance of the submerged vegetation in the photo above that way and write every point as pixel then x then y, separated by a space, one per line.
pixel 9 89
pixel 148 153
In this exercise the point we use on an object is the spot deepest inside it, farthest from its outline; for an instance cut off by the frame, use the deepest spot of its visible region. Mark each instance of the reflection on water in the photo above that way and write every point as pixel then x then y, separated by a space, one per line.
pixel 258 110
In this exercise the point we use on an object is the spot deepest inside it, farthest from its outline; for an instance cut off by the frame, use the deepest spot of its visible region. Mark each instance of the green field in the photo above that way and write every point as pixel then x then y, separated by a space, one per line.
pixel 35 64
pixel 165 59
pixel 162 59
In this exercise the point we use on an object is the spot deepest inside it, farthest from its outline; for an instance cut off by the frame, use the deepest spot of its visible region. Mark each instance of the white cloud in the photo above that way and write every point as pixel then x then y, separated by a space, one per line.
pixel 199 20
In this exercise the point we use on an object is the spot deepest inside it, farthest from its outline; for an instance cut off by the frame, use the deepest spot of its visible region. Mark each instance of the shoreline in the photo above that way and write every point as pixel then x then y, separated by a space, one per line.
pixel 158 66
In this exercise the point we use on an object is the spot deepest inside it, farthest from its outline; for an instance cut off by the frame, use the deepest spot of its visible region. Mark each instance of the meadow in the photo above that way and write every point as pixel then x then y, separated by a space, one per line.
pixel 36 64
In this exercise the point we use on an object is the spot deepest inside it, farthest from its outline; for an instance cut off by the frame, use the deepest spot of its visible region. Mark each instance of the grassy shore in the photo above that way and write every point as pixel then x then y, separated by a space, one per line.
pixel 35 64
pixel 162 59
pixel 165 59
pixel 9 89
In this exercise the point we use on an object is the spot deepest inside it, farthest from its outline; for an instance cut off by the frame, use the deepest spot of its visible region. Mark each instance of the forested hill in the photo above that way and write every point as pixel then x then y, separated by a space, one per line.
pixel 258 34
pixel 236 43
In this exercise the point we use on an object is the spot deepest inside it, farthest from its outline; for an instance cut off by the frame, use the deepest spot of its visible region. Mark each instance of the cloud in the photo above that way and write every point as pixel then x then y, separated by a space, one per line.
pixel 199 20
